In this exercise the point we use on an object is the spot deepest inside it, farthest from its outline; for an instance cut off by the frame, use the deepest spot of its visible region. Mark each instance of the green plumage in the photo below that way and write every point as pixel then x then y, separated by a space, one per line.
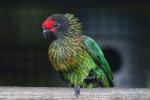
pixel 78 58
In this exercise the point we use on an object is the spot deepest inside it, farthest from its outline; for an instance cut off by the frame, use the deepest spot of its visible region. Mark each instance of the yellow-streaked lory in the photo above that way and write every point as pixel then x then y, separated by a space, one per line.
pixel 77 57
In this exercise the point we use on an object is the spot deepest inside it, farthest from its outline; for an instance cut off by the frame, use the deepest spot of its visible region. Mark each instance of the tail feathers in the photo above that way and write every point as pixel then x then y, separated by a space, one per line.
pixel 105 79
pixel 98 78
pixel 111 83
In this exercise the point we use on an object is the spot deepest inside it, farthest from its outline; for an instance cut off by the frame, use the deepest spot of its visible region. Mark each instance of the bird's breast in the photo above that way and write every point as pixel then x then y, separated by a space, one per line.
pixel 67 55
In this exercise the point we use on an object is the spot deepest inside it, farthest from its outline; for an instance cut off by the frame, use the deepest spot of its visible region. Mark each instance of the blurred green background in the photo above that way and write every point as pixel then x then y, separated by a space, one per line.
pixel 121 29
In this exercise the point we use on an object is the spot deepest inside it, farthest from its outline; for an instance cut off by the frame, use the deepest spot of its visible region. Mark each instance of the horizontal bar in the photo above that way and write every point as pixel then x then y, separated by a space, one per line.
pixel 59 93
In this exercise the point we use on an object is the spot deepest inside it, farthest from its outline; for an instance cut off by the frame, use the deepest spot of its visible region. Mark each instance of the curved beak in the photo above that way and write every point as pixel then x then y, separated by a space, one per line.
pixel 48 35
pixel 45 33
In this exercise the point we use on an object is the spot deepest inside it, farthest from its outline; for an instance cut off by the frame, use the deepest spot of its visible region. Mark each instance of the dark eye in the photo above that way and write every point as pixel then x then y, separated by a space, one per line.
pixel 56 25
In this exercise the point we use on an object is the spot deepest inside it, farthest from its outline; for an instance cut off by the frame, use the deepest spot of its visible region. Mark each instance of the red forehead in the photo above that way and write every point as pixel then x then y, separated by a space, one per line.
pixel 48 23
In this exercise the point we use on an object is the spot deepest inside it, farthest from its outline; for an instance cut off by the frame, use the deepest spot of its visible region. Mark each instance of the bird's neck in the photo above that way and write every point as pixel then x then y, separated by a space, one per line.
pixel 68 40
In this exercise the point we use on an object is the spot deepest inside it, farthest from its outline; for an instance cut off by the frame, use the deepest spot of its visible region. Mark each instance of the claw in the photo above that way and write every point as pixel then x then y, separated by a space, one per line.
pixel 77 90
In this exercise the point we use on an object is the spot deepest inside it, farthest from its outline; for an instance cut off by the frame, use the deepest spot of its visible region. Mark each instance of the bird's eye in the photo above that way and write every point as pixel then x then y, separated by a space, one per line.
pixel 56 25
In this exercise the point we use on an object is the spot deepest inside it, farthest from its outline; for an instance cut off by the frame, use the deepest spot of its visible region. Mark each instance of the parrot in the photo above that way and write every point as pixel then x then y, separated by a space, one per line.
pixel 76 57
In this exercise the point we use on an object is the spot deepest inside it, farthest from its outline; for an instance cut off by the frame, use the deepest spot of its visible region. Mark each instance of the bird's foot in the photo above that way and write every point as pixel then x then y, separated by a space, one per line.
pixel 77 90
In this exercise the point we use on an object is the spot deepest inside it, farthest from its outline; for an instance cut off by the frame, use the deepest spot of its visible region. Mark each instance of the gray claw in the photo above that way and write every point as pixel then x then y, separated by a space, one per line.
pixel 77 90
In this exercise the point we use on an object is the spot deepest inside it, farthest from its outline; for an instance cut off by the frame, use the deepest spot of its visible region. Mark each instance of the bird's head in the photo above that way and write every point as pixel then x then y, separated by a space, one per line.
pixel 61 25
